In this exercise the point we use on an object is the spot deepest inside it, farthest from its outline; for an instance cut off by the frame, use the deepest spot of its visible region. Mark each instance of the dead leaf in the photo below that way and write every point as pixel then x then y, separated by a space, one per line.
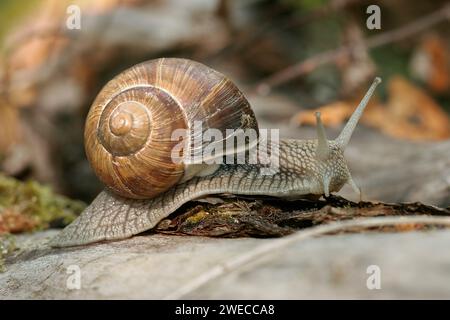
pixel 430 63
pixel 409 113
pixel 13 221
pixel 333 114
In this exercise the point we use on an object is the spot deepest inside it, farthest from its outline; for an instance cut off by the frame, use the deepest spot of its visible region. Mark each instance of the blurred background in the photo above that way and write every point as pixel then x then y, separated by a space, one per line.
pixel 289 57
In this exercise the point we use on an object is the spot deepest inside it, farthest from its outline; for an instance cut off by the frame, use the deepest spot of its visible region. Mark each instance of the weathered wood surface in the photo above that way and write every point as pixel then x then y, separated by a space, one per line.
pixel 413 265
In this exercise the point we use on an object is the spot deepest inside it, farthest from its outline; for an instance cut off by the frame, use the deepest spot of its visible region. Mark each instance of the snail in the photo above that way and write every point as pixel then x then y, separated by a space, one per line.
pixel 128 141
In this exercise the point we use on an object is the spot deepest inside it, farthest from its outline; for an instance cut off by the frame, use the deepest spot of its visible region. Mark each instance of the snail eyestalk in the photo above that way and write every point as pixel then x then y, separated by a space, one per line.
pixel 347 132
pixel 323 149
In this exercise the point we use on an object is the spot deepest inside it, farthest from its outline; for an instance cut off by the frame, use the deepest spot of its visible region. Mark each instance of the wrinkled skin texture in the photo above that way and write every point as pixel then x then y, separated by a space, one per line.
pixel 300 173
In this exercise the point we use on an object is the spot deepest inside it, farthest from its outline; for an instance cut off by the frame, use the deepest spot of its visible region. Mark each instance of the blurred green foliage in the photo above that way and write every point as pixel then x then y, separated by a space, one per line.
pixel 306 4
pixel 11 12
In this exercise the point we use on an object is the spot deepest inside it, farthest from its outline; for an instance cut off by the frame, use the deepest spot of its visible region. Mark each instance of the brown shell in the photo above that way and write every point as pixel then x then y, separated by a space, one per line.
pixel 129 126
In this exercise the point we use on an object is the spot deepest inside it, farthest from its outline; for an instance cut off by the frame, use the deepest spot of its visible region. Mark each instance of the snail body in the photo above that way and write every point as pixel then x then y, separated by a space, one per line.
pixel 128 141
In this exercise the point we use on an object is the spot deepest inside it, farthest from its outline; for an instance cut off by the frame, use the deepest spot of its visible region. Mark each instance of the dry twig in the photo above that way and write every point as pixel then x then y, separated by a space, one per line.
pixel 316 61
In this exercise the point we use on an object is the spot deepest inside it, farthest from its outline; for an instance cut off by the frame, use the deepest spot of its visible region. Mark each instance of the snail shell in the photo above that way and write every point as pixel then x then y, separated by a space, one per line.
pixel 128 132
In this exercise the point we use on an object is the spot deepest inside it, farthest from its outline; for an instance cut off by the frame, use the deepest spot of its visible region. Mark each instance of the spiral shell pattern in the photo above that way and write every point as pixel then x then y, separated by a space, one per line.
pixel 128 132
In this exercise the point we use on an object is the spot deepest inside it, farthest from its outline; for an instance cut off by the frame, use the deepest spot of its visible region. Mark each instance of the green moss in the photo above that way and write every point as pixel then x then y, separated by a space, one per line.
pixel 7 245
pixel 37 201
